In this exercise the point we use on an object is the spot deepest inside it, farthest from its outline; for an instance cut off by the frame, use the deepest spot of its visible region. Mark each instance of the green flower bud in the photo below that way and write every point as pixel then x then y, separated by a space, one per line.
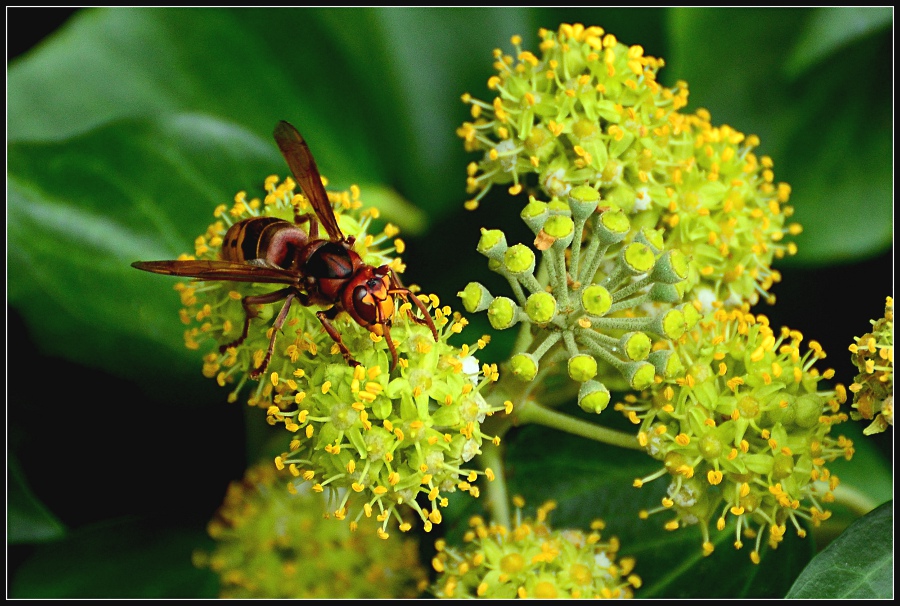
pixel 535 214
pixel 583 201
pixel 612 227
pixel 669 324
pixel 639 375
pixel 492 243
pixel 666 363
pixel 593 397
pixel 691 315
pixel 664 293
pixel 475 297
pixel 652 238
pixel 503 313
pixel 638 258
pixel 558 207
pixel 582 367
pixel 524 366
pixel 809 409
pixel 561 228
pixel 519 259
pixel 671 267
pixel 635 345
pixel 596 300
pixel 540 307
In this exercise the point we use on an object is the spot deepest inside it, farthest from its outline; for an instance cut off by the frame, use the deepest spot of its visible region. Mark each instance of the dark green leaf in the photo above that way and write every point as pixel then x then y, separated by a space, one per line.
pixel 27 519
pixel 128 559
pixel 831 28
pixel 82 209
pixel 857 565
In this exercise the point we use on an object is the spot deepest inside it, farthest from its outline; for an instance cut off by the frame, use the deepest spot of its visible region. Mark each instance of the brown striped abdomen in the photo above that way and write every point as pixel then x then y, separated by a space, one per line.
pixel 275 240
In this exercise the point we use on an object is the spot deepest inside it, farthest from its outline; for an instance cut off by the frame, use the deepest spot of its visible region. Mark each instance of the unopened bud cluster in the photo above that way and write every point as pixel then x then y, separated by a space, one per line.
pixel 745 433
pixel 588 110
pixel 606 307
pixel 873 387
pixel 533 560
pixel 271 544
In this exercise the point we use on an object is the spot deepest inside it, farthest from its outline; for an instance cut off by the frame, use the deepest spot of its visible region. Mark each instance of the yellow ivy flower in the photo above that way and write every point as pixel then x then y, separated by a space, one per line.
pixel 745 433
pixel 873 387
pixel 533 560
pixel 273 544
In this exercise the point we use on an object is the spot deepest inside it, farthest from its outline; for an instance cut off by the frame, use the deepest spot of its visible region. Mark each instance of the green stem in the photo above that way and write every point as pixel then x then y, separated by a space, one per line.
pixel 515 286
pixel 632 288
pixel 575 261
pixel 497 492
pixel 523 340
pixel 531 412
pixel 546 344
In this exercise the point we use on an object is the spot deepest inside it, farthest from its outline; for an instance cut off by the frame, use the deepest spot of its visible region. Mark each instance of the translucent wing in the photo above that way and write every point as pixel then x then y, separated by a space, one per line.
pixel 303 166
pixel 220 270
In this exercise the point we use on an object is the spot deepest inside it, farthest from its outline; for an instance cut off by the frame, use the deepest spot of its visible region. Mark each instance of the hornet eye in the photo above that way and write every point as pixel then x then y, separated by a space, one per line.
pixel 363 304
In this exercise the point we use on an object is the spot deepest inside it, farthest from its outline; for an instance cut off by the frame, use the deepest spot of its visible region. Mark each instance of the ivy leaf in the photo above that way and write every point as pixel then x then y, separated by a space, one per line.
pixel 27 519
pixel 832 28
pixel 127 559
pixel 859 564
pixel 82 209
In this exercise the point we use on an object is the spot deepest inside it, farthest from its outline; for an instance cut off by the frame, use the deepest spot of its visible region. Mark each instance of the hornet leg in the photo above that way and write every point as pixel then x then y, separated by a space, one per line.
pixel 325 318
pixel 276 328
pixel 250 313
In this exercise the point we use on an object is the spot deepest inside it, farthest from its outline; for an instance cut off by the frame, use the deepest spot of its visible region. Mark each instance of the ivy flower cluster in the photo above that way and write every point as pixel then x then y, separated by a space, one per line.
pixel 745 433
pixel 376 442
pixel 213 310
pixel 873 387
pixel 606 306
pixel 533 560
pixel 272 544
pixel 588 109
pixel 373 439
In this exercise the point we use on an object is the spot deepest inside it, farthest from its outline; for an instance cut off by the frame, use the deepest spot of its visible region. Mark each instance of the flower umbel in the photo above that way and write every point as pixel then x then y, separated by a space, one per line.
pixel 745 432
pixel 606 307
pixel 873 388
pixel 588 110
pixel 532 560
pixel 377 442
pixel 272 544
pixel 214 309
